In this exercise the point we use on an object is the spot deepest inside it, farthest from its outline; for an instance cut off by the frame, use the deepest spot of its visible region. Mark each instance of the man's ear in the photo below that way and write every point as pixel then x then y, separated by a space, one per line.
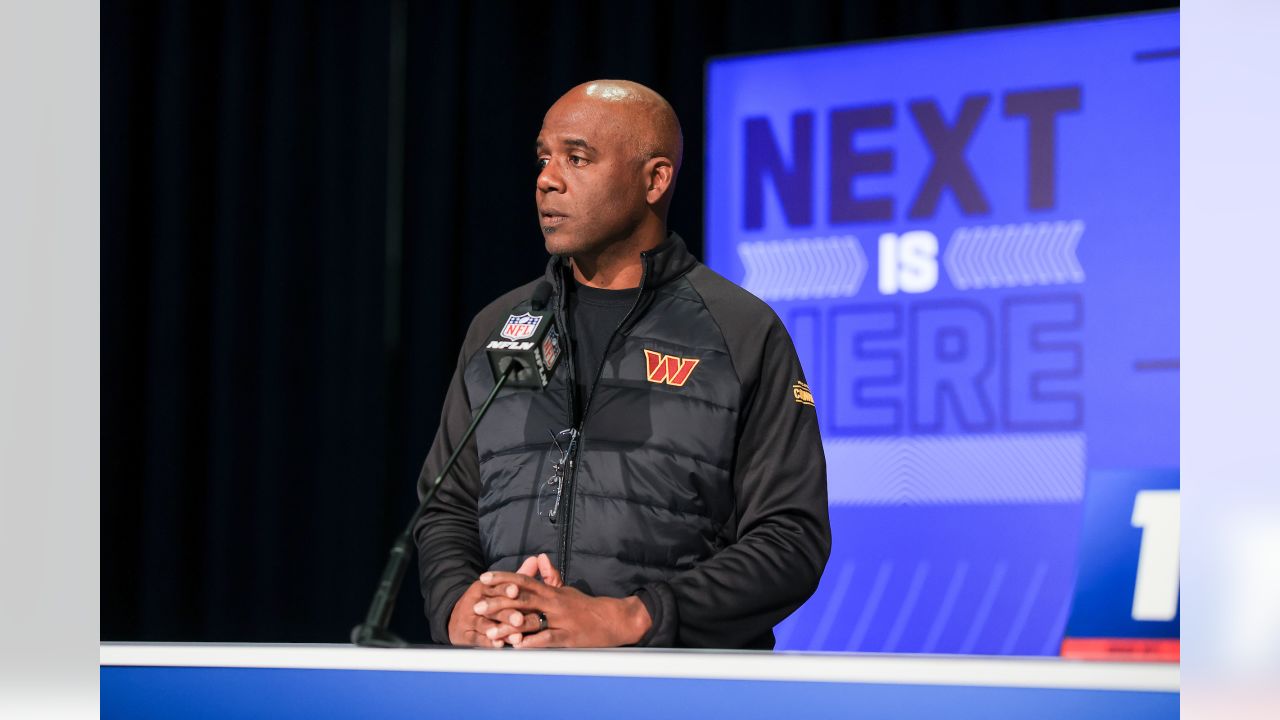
pixel 660 173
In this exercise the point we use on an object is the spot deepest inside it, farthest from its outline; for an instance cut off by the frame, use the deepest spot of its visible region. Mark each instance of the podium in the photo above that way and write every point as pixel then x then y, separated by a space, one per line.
pixel 342 681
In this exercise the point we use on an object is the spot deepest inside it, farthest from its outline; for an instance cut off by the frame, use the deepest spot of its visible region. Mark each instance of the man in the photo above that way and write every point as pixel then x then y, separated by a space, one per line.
pixel 668 488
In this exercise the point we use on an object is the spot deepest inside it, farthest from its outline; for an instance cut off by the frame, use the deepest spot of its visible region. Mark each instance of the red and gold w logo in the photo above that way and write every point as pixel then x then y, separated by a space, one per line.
pixel 668 369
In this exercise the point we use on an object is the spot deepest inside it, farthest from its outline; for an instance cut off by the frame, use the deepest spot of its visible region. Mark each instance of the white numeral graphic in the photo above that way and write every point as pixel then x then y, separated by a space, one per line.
pixel 1155 594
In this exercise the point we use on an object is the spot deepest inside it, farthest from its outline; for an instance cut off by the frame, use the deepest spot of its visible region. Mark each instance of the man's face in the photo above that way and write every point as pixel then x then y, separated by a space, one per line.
pixel 591 185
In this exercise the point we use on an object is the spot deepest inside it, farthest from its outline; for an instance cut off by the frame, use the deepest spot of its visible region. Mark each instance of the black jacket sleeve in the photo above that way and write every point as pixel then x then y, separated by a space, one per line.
pixel 448 536
pixel 782 537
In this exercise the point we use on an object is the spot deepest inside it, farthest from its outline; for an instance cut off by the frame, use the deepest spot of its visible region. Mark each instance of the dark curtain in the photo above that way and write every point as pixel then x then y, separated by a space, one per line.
pixel 303 204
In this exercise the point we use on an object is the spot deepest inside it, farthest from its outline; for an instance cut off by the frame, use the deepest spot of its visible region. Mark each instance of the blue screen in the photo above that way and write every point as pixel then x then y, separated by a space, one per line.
pixel 973 241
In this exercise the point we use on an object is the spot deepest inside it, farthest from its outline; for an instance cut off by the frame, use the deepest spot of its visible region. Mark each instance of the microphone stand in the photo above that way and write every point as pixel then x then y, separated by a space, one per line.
pixel 373 631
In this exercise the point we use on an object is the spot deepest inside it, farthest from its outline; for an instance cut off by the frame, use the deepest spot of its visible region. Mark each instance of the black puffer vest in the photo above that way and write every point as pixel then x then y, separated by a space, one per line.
pixel 646 490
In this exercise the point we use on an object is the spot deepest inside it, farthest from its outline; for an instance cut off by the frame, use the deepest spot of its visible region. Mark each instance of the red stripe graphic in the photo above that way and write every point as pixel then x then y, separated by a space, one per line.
pixel 1144 649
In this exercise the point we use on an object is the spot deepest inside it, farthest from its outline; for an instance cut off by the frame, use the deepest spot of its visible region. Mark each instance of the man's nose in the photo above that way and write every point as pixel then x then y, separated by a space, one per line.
pixel 549 180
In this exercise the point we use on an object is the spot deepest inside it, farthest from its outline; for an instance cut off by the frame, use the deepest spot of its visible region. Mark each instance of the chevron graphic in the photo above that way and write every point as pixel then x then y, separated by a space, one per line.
pixel 803 268
pixel 956 469
pixel 994 256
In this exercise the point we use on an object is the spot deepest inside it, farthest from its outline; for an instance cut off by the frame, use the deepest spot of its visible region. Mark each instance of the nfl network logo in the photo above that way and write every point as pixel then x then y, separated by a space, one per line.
pixel 519 327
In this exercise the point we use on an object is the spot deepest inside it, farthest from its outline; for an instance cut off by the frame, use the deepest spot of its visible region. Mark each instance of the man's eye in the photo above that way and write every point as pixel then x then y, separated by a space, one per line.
pixel 542 162
pixel 577 160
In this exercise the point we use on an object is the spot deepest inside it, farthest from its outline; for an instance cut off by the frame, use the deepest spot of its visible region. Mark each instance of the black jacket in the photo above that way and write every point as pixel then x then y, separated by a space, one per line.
pixel 698 479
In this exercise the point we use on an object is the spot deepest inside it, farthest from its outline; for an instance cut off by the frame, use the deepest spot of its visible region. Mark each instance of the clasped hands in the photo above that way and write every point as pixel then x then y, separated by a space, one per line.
pixel 502 608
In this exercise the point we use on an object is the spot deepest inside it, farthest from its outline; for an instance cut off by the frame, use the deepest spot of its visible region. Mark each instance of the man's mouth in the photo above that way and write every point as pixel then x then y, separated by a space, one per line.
pixel 551 218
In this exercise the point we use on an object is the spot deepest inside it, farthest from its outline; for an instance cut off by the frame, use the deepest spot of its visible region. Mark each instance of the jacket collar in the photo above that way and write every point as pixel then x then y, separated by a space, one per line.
pixel 665 263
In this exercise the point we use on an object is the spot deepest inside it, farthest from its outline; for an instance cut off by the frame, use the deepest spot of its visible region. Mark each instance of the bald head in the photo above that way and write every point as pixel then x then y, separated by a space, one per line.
pixel 645 115
pixel 608 155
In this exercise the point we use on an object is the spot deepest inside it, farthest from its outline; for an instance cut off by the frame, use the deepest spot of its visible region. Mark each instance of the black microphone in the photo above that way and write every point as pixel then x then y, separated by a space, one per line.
pixel 530 340
pixel 526 360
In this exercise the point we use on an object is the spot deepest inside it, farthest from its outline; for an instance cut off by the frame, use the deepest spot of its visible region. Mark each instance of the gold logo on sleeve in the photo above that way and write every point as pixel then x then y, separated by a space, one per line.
pixel 800 391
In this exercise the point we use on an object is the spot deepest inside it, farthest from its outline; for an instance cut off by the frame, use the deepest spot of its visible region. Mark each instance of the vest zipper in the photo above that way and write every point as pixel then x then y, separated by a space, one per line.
pixel 571 389
pixel 571 474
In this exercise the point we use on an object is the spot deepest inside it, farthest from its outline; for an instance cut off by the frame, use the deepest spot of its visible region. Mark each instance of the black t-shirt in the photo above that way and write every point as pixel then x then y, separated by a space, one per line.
pixel 594 314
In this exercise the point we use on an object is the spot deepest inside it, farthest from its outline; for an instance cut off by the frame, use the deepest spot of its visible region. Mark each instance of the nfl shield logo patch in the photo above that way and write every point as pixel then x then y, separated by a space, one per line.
pixel 519 327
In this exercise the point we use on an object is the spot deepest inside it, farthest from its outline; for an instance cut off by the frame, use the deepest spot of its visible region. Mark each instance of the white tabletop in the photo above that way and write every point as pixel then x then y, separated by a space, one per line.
pixel 698 664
